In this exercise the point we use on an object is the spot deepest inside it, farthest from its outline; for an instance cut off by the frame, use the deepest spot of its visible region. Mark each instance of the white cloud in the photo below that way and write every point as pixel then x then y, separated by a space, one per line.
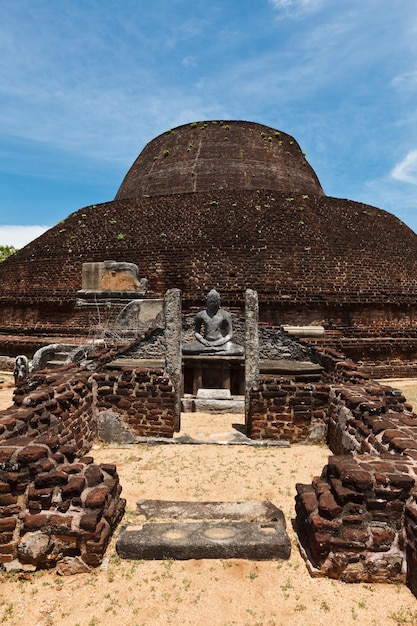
pixel 406 170
pixel 20 236
pixel 189 61
pixel 296 8
pixel 406 80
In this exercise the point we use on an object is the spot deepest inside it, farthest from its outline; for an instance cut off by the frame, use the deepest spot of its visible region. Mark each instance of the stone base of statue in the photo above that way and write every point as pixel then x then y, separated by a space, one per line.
pixel 213 371
pixel 227 349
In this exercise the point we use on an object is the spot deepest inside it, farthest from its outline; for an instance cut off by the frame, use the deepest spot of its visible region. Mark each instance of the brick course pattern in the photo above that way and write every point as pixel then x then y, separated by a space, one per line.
pixel 315 265
pixel 357 521
pixel 280 408
pixel 144 398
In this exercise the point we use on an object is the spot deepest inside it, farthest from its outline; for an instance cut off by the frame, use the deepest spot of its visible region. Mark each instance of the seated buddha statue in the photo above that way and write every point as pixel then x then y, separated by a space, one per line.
pixel 213 331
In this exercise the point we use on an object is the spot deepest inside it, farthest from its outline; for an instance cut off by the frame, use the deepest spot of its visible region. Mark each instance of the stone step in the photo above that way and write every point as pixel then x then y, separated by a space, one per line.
pixel 192 405
pixel 205 530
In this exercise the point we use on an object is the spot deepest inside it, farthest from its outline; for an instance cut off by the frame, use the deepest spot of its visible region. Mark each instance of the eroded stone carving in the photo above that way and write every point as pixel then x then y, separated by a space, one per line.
pixel 112 276
pixel 213 331
pixel 21 368
pixel 121 276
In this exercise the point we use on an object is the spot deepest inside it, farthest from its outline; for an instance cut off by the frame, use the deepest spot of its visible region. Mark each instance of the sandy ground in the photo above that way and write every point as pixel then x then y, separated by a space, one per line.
pixel 204 592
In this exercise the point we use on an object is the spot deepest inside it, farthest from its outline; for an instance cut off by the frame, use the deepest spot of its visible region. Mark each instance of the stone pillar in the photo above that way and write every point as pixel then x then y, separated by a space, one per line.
pixel 173 328
pixel 251 345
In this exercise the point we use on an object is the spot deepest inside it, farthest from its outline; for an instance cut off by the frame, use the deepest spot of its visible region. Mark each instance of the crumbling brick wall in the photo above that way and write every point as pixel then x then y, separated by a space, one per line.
pixel 54 505
pixel 351 519
pixel 371 419
pixel 54 500
pixel 394 355
pixel 356 522
pixel 58 403
pixel 410 524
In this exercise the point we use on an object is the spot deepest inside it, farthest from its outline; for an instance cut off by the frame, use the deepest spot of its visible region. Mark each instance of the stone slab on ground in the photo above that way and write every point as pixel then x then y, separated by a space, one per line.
pixel 206 405
pixel 185 510
pixel 205 540
pixel 214 394
pixel 229 439
pixel 206 530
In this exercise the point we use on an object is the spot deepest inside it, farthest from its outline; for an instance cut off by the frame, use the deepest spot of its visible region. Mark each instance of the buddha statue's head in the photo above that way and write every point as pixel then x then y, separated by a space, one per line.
pixel 213 300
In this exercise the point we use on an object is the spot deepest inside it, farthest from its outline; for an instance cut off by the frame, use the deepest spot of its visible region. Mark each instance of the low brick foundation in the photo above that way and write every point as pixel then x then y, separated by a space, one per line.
pixel 371 419
pixel 54 505
pixel 54 501
pixel 280 408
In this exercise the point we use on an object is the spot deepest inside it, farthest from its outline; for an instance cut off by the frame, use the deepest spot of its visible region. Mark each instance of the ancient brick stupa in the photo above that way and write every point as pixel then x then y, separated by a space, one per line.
pixel 230 205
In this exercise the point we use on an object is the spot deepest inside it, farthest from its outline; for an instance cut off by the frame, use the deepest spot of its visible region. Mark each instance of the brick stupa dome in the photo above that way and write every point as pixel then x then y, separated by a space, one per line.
pixel 230 205
pixel 219 155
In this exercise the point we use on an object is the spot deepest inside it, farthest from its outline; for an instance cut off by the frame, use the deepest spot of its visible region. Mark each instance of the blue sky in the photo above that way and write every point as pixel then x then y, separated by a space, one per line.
pixel 84 85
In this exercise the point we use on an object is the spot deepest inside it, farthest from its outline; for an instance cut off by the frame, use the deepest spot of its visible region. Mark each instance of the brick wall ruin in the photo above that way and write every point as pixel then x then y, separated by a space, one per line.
pixel 356 522
pixel 55 502
pixel 350 521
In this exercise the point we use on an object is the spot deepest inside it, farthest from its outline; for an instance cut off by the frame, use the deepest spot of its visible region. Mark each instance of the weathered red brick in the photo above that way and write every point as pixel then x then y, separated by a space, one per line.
pixel 328 506
pixel 93 475
pixel 96 498
pixel 74 487
pixel 35 522
pixel 7 524
pixel 90 519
